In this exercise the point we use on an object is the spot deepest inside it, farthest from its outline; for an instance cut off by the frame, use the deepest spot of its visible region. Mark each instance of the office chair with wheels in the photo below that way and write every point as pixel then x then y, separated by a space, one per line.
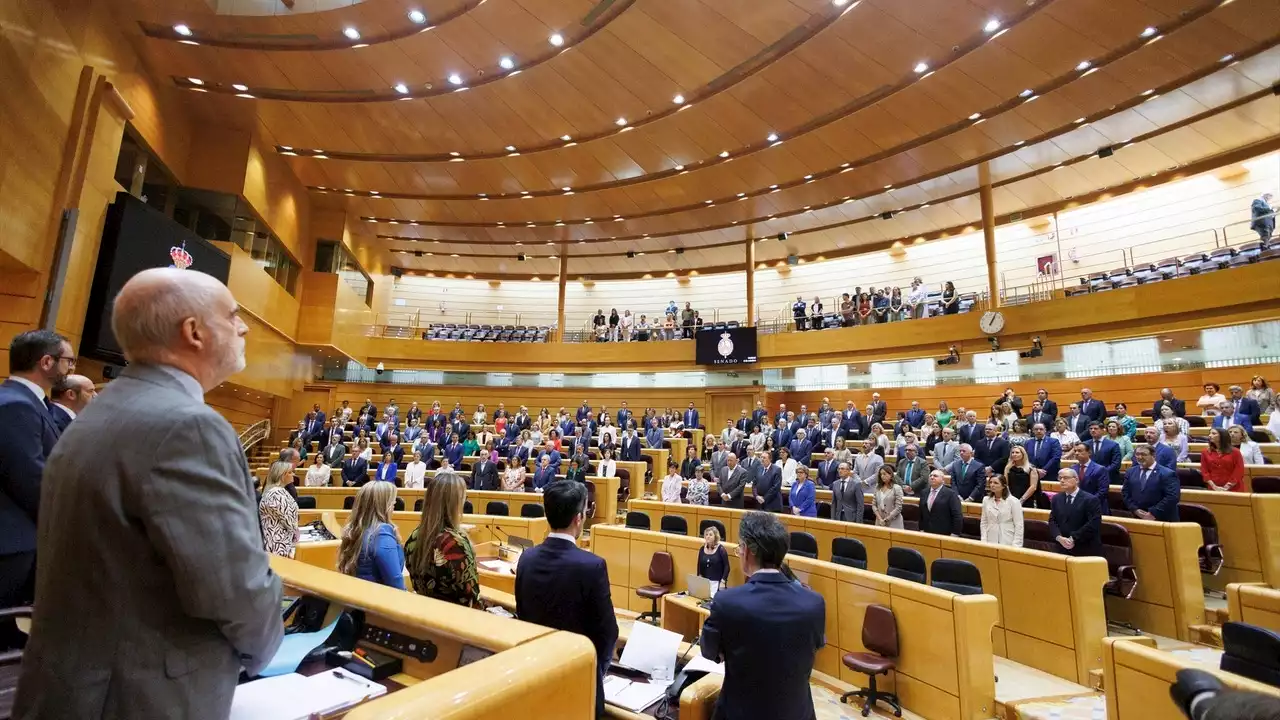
pixel 662 576
pixel 880 637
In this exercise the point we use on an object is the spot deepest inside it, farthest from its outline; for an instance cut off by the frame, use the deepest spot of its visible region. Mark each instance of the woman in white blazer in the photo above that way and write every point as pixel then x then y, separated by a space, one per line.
pixel 1001 514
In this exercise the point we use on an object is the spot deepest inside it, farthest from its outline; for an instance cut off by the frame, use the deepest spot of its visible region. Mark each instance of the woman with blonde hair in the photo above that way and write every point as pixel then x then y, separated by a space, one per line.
pixel 1021 478
pixel 278 511
pixel 442 563
pixel 370 547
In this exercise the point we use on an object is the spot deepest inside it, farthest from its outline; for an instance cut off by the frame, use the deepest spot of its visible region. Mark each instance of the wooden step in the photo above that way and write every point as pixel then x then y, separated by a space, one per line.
pixel 1216 616
pixel 1210 635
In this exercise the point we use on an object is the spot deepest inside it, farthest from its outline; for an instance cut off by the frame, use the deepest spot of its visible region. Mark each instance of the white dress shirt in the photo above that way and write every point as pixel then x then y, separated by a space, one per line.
pixel 606 468
pixel 415 474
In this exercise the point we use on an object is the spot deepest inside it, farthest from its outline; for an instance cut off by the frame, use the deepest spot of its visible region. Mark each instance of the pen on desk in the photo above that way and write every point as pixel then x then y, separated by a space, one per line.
pixel 361 654
pixel 355 656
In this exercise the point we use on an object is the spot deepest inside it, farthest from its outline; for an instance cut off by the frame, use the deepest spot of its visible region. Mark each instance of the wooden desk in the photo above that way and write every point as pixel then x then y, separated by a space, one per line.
pixel 1137 677
pixel 660 457
pixel 683 614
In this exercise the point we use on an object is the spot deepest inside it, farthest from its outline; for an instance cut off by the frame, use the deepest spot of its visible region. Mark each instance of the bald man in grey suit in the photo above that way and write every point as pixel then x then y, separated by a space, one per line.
pixel 153 587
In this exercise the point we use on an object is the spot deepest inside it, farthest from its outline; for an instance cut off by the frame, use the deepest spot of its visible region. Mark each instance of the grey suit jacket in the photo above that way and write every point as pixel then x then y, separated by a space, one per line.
pixel 733 482
pixel 867 468
pixel 847 499
pixel 153 587
pixel 942 459
pixel 719 461
pixel 919 474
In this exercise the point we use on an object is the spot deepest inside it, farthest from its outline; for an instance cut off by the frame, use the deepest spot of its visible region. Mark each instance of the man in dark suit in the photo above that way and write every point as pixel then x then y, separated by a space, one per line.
pixel 1093 478
pixel 879 410
pixel 38 360
pixel 781 436
pixel 584 412
pixel 940 511
pixel 1105 451
pixel 915 416
pixel 1075 518
pixel 758 415
pixel 1246 406
pixel 355 471
pixel 743 425
pixel 1165 455
pixel 854 423
pixel 1179 407
pixel 767 631
pixel 316 427
pixel 1091 407
pixel 1038 415
pixel 801 448
pixel 629 446
pixel 559 585
pixel 970 430
pixel 1011 397
pixel 1077 422
pixel 911 471
pixel 733 482
pixel 518 454
pixel 691 417
pixel 1263 217
pixel 992 450
pixel 968 476
pixel 545 474
pixel 780 418
pixel 68 399
pixel 803 416
pixel 484 474
pixel 1150 492
pixel 1048 406
pixel 827 439
pixel 847 493
pixel 396 450
pixel 1044 452
pixel 334 452
pixel 368 408
pixel 768 486
pixel 828 469
pixel 624 414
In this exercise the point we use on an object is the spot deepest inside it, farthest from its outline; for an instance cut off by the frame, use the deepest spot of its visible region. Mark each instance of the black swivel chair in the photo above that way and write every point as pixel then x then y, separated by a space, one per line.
pixel 532 510
pixel 719 526
pixel 348 502
pixel 637 520
pixel 850 552
pixel 1251 651
pixel 907 564
pixel 674 525
pixel 467 509
pixel 417 505
pixel 958 576
pixel 306 502
pixel 496 507
pixel 804 545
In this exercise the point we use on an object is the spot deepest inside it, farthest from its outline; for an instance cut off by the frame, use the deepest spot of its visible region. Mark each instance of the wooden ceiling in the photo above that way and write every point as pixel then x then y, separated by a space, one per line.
pixel 656 125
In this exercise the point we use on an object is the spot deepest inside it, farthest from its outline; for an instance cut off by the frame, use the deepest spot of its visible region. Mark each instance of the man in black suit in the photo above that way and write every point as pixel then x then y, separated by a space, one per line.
pixel 629 446
pixel 992 450
pixel 828 469
pixel 968 476
pixel 768 486
pixel 484 474
pixel 827 439
pixel 1179 407
pixel 38 360
pixel 1246 406
pixel 1078 422
pixel 879 410
pixel 854 423
pixel 940 511
pixel 1091 407
pixel 743 426
pixel 1075 517
pixel 368 408
pixel 355 471
pixel 767 631
pixel 970 430
pixel 315 427
pixel 559 585
pixel 1038 415
pixel 1011 397
pixel 1049 406
pixel 68 399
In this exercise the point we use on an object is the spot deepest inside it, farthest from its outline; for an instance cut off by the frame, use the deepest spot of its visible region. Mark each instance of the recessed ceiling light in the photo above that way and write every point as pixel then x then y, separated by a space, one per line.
pixel 724 153
pixel 373 192
pixel 808 177
pixel 620 122
pixel 455 153
pixel 1083 65
pixel 1019 143
pixel 773 187
pixel 359 45
pixel 566 188
pixel 991 26
pixel 1148 32
pixel 679 167
pixel 921 67
pixel 1228 57
pixel 1033 98
pixel 417 16
pixel 556 39
pixel 188 42
pixel 247 95
pixel 709 202
pixel 402 88
pixel 1079 120
pixel 182 30
pixel 1147 92
pixel 888 187
pixel 241 88
pixel 1026 93
pixel 195 81
pixel 975 116
pixel 565 138
pixel 773 137
pixel 455 79
pixel 678 99
pixel 742 194
pixel 506 63
pixel 351 33
pixel 839 3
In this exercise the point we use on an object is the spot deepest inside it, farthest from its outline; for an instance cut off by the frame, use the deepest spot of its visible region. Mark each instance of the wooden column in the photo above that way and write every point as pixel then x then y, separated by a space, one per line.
pixel 564 279
pixel 750 273
pixel 988 232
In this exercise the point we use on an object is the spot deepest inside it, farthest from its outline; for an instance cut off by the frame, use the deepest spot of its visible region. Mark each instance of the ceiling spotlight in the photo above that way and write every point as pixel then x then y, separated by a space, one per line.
pixel 565 138
pixel 921 67
pixel 678 99
pixel 351 33
pixel 506 63
pixel 773 187
pixel 556 39
pixel 402 88
pixel 1020 143
pixel 724 153
pixel 620 122
pixel 773 137
pixel 195 81
pixel 455 153
pixel 1148 32
pixel 1079 120
pixel 1083 65
pixel 455 79
pixel 511 148
pixel 991 26
pixel 566 188
pixel 839 3
pixel 742 194
pixel 182 30
pixel 247 95
pixel 709 202
pixel 1026 93
pixel 808 177
pixel 679 167
pixel 975 116
pixel 417 16
pixel 241 88
pixel 1228 57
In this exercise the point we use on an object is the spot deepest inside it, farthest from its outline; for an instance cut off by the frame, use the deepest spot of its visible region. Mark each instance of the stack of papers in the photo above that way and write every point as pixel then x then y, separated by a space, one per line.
pixel 297 697
pixel 631 695
pixel 652 650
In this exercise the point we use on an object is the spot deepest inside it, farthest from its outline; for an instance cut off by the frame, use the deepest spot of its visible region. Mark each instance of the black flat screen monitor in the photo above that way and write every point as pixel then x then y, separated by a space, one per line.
pixel 726 346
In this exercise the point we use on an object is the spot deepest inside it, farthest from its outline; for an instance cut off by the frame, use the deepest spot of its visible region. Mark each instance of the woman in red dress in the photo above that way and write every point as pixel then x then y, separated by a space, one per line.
pixel 1221 463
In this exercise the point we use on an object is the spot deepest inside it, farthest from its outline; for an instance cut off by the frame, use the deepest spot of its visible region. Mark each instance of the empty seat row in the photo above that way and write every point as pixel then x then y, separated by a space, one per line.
pixel 1170 268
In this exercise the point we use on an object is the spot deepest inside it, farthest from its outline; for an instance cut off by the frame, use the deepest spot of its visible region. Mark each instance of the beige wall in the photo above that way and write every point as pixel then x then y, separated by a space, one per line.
pixel 1173 219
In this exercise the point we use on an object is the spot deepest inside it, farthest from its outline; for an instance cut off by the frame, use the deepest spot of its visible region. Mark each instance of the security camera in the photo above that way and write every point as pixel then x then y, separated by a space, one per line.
pixel 379 368
pixel 995 343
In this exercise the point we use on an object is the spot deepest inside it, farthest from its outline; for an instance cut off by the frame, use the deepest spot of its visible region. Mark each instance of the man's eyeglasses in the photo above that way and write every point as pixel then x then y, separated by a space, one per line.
pixel 70 360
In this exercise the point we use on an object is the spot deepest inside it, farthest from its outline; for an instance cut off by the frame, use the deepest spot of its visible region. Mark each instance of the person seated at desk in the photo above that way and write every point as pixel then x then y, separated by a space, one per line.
pixel 318 474
pixel 561 586
pixel 803 495
pixel 370 547
pixel 387 469
pixel 713 561
pixel 545 474
pixel 672 484
pixel 1001 522
pixel 278 511
pixel 767 631
pixel 1075 517
pixel 441 561
pixel 1150 491
pixel 415 473
pixel 355 471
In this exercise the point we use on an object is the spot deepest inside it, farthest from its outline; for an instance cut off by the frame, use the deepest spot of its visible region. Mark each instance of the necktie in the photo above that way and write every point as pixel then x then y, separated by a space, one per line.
pixel 1146 475
pixel 932 495
pixel 1097 444
pixel 964 469
pixel 1035 448
pixel 1070 499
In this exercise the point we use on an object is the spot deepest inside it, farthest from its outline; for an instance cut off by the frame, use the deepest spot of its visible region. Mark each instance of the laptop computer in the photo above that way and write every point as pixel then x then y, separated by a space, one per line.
pixel 700 587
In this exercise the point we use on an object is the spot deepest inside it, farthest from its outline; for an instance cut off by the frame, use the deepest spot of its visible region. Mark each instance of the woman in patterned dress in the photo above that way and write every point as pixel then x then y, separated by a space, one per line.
pixel 441 561
pixel 278 511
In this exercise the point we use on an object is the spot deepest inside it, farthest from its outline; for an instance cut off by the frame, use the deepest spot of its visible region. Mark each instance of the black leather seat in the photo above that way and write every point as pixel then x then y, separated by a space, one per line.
pixel 496 507
pixel 532 510
pixel 1251 651
pixel 674 525
pixel 907 564
pixel 638 520
pixel 849 552
pixel 306 502
pixel 804 545
pixel 719 526
pixel 958 576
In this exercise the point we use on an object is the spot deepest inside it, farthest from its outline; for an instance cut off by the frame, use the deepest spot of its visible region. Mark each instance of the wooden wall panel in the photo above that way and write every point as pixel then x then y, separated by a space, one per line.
pixel 241 406
pixel 317 295
pixel 273 365
pixel 273 191
pixel 259 293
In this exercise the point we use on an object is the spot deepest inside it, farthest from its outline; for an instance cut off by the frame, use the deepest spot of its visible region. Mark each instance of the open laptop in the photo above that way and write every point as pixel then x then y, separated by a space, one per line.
pixel 700 587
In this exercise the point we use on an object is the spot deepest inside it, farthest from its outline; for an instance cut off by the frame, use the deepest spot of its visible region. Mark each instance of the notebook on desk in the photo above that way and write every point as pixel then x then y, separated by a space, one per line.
pixel 297 697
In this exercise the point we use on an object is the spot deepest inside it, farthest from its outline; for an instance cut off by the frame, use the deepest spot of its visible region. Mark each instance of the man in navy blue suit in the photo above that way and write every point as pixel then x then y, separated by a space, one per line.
pixel 583 412
pixel 854 423
pixel 1105 452
pixel 915 416
pixel 38 360
pixel 968 476
pixel 549 451
pixel 545 475
pixel 1246 406
pixel 1165 456
pixel 1046 405
pixel 757 416
pixel 1044 452
pixel 1094 478
pixel 624 414
pixel 69 398
pixel 629 446
pixel 781 437
pixel 1075 518
pixel 767 631
pixel 768 487
pixel 781 418
pixel 1151 492
pixel 560 586
pixel 1094 409
pixel 992 450
pixel 691 417
pixel 801 448
pixel 1178 407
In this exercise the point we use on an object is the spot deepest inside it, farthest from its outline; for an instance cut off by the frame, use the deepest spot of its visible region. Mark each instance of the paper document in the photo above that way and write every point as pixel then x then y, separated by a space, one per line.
pixel 634 696
pixel 296 697
pixel 701 664
pixel 296 646
pixel 498 566
pixel 652 650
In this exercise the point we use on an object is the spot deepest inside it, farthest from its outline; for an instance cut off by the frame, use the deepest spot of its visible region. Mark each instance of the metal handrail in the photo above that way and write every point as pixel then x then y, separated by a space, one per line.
pixel 255 434
pixel 1227 243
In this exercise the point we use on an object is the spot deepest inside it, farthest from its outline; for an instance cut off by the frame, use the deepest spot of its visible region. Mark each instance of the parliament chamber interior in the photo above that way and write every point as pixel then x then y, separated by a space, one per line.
pixel 902 359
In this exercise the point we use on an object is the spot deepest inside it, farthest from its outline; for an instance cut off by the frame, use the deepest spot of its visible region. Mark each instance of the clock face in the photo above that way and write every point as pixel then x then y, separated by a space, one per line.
pixel 991 322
